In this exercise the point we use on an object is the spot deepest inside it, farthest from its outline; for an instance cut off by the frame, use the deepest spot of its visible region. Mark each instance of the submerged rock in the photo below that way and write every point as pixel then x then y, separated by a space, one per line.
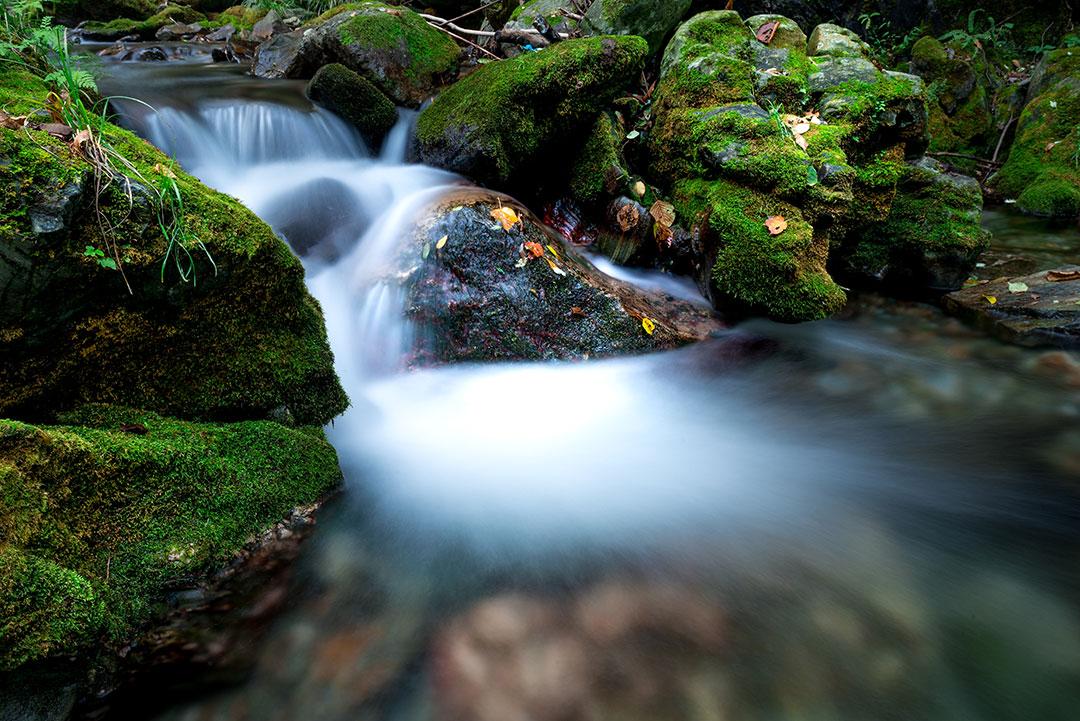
pixel 240 338
pixel 1041 172
pixel 355 99
pixel 502 124
pixel 478 292
pixel 1042 309
pixel 392 47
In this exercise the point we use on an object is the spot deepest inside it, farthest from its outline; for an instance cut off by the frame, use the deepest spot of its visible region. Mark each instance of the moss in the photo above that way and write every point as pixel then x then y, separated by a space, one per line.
pixel 782 276
pixel 354 98
pixel 599 170
pixel 104 9
pixel 106 520
pixel 430 51
pixel 121 27
pixel 240 17
pixel 707 63
pixel 1052 195
pixel 236 344
pixel 891 109
pixel 502 118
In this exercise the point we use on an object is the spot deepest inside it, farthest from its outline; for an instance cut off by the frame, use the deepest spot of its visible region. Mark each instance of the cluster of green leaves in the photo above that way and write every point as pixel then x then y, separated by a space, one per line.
pixel 886 44
pixel 980 35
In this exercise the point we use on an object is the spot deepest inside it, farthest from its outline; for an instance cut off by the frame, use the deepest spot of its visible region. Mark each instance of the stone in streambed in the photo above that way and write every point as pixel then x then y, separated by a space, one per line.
pixel 355 99
pixel 524 294
pixel 1047 313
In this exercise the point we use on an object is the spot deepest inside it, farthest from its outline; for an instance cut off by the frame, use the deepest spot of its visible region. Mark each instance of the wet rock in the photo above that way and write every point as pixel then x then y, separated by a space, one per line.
pixel 494 294
pixel 600 171
pixel 646 18
pixel 832 72
pixel 154 54
pixel 836 41
pixel 178 31
pixel 408 68
pixel 55 210
pixel 355 99
pixel 222 34
pixel 627 236
pixel 1046 313
pixel 500 124
pixel 266 27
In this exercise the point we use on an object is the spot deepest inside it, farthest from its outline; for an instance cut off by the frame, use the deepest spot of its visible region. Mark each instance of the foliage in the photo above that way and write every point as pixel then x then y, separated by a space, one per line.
pixel 979 36
pixel 886 43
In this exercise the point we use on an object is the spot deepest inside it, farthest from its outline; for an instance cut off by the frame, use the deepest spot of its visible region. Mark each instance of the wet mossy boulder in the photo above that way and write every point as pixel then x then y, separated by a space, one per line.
pixel 240 339
pixel 106 511
pixel 961 116
pixel 600 171
pixel 502 124
pixel 393 47
pixel 836 41
pixel 748 269
pixel 646 18
pixel 355 99
pixel 930 239
pixel 477 291
pixel 1042 171
pixel 145 29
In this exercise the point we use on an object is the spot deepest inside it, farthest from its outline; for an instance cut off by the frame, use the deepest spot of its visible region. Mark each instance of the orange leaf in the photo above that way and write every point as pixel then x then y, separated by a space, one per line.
pixel 776 224
pixel 765 32
pixel 506 217
pixel 535 249
pixel 1060 276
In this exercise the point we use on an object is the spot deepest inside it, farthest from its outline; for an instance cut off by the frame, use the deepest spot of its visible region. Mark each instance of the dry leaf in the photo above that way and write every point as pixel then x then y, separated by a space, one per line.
pixel 776 224
pixel 506 217
pixel 534 249
pixel 555 268
pixel 628 217
pixel 801 141
pixel 164 170
pixel 639 189
pixel 649 325
pixel 766 32
pixel 577 312
pixel 1018 287
pixel 553 250
pixel 1060 276
pixel 663 213
pixel 801 127
pixel 442 242
pixel 774 71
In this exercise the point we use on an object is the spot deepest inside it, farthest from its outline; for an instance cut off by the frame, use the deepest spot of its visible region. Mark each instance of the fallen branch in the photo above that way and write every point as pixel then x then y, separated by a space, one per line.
pixel 521 37
pixel 438 23
pixel 1004 132
pixel 466 41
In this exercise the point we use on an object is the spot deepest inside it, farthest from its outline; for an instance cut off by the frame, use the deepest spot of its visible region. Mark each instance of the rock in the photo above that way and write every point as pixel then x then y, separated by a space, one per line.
pixel 499 124
pixel 242 339
pixel 836 41
pixel 890 110
pixel 122 26
pixel 178 31
pixel 394 48
pixel 788 35
pixel 1041 171
pixel 84 561
pixel 1047 313
pixel 222 34
pixel 485 295
pixel 832 72
pixel 646 18
pixel 265 28
pixel 355 99
pixel 600 171
pixel 930 239
pixel 960 110
pixel 557 12
pixel 152 54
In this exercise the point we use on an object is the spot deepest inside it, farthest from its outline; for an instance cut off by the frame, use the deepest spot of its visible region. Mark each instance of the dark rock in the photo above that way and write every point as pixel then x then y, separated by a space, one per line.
pixel 485 295
pixel 153 54
pixel 265 28
pixel 54 212
pixel 832 72
pixel 355 99
pixel 222 34
pixel 649 19
pixel 1046 313
pixel 178 31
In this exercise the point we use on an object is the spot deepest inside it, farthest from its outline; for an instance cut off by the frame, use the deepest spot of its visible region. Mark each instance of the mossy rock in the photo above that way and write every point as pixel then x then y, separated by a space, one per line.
pixel 241 17
pixel 891 109
pixel 241 339
pixel 104 9
pixel 553 11
pixel 98 522
pixel 144 29
pixel 502 124
pixel 649 19
pixel 600 171
pixel 836 41
pixel 959 94
pixel 1043 168
pixel 782 276
pixel 393 47
pixel 355 99
pixel 930 239
pixel 788 35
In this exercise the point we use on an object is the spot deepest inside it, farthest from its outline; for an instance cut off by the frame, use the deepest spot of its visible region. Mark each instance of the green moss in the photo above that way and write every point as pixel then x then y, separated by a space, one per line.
pixel 503 117
pixel 599 170
pixel 240 17
pixel 782 276
pixel 121 27
pixel 1052 195
pixel 430 51
pixel 354 98
pixel 99 522
pixel 237 344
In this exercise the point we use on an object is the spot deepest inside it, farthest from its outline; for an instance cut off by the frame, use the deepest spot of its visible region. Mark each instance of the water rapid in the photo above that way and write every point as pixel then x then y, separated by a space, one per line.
pixel 878 519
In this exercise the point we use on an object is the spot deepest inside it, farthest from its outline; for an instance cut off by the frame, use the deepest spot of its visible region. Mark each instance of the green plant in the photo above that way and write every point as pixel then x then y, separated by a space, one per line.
pixel 99 256
pixel 993 34
pixel 170 215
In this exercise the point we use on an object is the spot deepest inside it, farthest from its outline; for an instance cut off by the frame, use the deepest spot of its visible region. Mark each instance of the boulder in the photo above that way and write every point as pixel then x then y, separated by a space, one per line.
pixel 108 510
pixel 477 291
pixel 961 117
pixel 600 171
pixel 94 317
pixel 1041 172
pixel 355 99
pixel 837 42
pixel 1042 309
pixel 178 31
pixel 787 35
pixel 392 47
pixel 651 20
pixel 145 29
pixel 502 124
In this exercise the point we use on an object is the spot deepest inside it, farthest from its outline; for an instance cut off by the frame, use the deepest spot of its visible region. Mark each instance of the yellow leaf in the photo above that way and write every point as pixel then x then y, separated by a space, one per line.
pixel 506 217
pixel 554 250
pixel 776 224
pixel 639 189
pixel 990 299
pixel 163 170
pixel 557 269
pixel 442 242
pixel 649 325
pixel 663 213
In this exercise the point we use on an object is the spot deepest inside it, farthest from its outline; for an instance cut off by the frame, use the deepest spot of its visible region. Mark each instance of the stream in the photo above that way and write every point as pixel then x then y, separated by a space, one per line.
pixel 870 517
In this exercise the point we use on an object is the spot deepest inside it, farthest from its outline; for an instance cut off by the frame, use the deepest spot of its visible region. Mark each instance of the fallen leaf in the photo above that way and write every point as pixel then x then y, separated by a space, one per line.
pixel 800 141
pixel 1018 287
pixel 1053 103
pixel 766 32
pixel 1060 276
pixel 663 213
pixel 774 71
pixel 522 262
pixel 990 299
pixel 426 251
pixel 554 251
pixel 801 127
pixel 441 243
pixel 534 249
pixel 1052 145
pixel 628 217
pixel 776 224
pixel 81 138
pixel 577 312
pixel 649 325
pixel 633 135
pixel 639 189
pixel 163 170
pixel 506 217
pixel 555 268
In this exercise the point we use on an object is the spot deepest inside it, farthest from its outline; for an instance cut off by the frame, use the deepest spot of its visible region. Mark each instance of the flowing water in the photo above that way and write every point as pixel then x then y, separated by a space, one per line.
pixel 872 517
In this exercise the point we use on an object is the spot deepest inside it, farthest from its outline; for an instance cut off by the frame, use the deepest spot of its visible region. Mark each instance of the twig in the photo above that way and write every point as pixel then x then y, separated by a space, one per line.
pixel 1004 132
pixel 465 40
pixel 462 16
pixel 439 24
